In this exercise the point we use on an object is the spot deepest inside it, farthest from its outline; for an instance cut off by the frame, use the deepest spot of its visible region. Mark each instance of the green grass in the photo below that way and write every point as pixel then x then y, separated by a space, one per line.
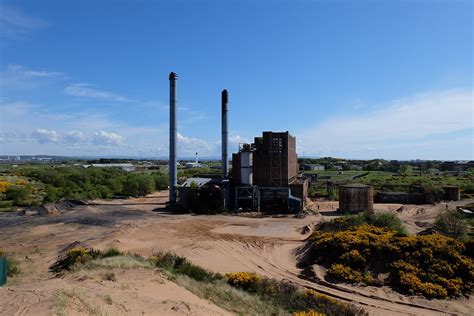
pixel 122 262
pixel 382 180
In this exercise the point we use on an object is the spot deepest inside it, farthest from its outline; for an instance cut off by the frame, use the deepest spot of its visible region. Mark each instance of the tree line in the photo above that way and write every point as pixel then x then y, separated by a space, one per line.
pixel 77 183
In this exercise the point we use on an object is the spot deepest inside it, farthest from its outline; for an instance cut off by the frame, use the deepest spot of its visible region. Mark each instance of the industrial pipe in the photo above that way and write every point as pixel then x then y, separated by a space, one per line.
pixel 225 134
pixel 173 170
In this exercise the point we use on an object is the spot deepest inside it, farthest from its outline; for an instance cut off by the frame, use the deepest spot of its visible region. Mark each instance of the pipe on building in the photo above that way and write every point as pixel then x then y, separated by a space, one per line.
pixel 173 170
pixel 225 133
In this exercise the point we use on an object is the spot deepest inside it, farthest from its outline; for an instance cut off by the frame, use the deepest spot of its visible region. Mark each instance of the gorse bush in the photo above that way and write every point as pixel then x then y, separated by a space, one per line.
pixel 244 280
pixel 81 255
pixel 4 185
pixel 387 220
pixel 345 273
pixel 289 296
pixel 74 256
pixel 308 313
pixel 431 265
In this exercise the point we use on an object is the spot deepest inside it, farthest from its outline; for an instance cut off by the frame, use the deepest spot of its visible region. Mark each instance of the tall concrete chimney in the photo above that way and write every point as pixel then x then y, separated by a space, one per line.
pixel 173 170
pixel 225 133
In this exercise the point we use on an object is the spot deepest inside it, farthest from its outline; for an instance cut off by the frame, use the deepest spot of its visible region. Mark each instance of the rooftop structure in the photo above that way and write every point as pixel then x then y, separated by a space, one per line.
pixel 123 166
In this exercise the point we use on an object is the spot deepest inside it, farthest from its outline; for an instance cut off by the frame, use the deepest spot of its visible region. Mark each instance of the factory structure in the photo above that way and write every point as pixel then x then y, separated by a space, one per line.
pixel 264 174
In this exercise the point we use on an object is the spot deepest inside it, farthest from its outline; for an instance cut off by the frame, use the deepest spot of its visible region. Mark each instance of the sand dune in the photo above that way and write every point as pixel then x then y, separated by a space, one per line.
pixel 268 245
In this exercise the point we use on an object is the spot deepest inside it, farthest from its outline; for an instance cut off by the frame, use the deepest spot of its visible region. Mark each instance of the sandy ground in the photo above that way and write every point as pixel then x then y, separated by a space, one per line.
pixel 268 245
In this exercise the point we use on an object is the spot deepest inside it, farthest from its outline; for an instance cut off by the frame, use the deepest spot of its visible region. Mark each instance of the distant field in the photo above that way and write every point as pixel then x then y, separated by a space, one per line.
pixel 398 182
pixel 348 175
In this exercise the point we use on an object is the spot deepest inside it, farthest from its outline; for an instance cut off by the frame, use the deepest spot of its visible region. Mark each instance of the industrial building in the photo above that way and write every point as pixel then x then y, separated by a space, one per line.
pixel 124 166
pixel 195 164
pixel 210 193
pixel 265 174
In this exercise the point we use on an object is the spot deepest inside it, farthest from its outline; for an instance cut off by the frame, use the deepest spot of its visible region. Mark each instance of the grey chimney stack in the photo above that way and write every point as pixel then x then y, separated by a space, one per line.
pixel 173 182
pixel 225 133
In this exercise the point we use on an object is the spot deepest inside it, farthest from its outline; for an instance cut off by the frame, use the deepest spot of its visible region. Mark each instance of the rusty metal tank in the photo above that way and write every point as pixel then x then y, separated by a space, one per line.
pixel 451 193
pixel 355 198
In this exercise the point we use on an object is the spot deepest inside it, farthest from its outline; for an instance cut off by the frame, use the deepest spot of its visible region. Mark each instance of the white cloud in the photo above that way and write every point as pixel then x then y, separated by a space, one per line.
pixel 413 121
pixel 237 139
pixel 89 91
pixel 45 136
pixel 75 133
pixel 17 76
pixel 107 139
pixel 189 146
pixel 27 72
pixel 74 137
pixel 15 24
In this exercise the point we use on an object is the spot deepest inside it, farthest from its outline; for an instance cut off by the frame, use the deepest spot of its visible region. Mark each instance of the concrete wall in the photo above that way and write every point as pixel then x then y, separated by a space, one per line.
pixel 401 198
pixel 299 189
pixel 451 193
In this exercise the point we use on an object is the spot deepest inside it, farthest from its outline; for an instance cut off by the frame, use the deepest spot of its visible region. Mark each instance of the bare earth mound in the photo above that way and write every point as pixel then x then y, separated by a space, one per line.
pixel 269 246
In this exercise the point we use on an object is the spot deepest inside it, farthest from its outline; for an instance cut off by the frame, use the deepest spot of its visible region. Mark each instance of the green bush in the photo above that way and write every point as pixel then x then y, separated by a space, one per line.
pixel 180 265
pixel 161 180
pixel 79 183
pixel 469 188
pixel 6 204
pixel 18 194
pixel 111 252
pixel 453 224
pixel 12 265
pixel 384 220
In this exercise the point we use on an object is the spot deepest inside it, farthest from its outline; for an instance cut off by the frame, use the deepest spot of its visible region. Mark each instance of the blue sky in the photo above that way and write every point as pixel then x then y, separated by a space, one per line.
pixel 353 79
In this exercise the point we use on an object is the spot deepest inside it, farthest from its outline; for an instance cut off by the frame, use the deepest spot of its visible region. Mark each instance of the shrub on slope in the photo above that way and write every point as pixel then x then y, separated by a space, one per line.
pixel 432 265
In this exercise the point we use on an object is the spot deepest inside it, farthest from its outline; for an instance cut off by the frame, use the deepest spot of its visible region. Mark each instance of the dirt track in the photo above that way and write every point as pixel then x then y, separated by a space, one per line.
pixel 220 243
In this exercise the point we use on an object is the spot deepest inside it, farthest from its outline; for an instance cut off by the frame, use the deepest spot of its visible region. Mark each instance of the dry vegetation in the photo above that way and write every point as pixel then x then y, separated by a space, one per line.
pixel 242 292
pixel 118 282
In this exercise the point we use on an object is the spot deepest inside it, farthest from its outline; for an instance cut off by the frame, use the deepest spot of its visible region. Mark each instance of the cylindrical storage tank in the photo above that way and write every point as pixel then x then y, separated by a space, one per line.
pixel 246 167
pixel 355 198
pixel 451 193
